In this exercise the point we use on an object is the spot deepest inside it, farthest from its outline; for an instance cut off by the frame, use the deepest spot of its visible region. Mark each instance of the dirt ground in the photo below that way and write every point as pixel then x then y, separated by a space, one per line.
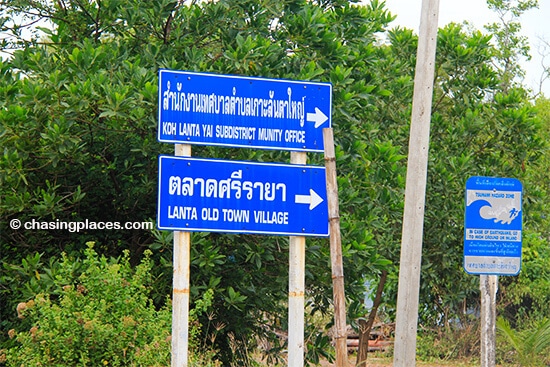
pixel 388 362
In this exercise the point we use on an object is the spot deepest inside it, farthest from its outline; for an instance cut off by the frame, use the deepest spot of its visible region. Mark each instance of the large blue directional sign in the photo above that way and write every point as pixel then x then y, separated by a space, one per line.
pixel 241 197
pixel 237 111
pixel 493 226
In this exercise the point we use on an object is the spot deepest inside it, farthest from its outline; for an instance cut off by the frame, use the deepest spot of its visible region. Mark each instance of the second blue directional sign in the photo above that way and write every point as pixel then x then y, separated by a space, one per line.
pixel 493 226
pixel 237 111
pixel 241 197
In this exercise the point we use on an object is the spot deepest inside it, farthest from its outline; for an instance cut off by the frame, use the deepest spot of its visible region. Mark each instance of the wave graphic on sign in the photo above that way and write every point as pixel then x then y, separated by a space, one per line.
pixel 499 209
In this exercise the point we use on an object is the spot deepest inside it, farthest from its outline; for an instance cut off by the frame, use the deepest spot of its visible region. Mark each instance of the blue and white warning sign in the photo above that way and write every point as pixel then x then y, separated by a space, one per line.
pixel 493 226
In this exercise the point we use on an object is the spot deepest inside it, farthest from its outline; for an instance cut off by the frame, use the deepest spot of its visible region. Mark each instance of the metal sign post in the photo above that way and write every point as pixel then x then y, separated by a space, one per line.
pixel 241 197
pixel 296 287
pixel 180 287
pixel 492 245
pixel 488 285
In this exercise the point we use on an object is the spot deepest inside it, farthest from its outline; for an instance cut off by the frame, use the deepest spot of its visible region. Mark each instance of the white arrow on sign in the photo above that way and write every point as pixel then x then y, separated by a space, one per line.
pixel 313 199
pixel 318 117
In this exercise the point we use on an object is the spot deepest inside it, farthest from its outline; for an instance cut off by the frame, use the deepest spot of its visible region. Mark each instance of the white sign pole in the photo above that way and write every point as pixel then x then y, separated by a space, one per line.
pixel 488 285
pixel 180 288
pixel 296 288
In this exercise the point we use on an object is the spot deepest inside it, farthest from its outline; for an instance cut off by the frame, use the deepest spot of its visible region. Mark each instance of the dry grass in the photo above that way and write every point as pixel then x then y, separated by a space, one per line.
pixel 388 362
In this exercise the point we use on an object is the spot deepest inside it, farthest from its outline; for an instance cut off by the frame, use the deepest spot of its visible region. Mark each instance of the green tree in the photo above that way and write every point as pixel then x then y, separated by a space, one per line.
pixel 477 129
pixel 79 127
pixel 512 47
pixel 524 296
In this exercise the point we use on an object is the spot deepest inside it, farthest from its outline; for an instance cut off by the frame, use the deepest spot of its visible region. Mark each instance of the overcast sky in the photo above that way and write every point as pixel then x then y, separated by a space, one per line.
pixel 535 25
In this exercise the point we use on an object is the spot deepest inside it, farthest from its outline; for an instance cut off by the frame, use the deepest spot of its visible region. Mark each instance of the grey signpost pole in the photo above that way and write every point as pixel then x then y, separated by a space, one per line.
pixel 488 286
pixel 180 288
pixel 296 288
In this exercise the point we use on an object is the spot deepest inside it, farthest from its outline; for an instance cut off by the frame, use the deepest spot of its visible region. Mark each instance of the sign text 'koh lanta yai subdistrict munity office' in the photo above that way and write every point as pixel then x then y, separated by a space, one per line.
pixel 238 111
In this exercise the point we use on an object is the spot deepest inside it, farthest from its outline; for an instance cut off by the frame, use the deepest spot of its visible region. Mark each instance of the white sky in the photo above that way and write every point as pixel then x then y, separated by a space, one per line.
pixel 535 25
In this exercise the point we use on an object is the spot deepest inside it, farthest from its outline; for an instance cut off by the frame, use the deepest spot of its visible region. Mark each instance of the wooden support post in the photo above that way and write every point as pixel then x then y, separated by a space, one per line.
pixel 296 288
pixel 415 190
pixel 488 285
pixel 180 288
pixel 339 299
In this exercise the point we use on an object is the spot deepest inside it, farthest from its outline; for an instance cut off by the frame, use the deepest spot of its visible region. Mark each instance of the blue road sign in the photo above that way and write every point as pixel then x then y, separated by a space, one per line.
pixel 237 111
pixel 241 197
pixel 493 226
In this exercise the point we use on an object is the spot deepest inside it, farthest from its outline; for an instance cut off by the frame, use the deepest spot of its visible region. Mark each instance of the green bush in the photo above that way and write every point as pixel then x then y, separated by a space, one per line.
pixel 526 296
pixel 104 318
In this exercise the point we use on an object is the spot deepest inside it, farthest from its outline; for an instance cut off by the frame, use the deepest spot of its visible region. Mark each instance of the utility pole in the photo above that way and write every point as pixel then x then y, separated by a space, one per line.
pixel 415 190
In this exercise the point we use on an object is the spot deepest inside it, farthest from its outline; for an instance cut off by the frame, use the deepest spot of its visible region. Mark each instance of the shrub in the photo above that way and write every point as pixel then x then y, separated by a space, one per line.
pixel 450 343
pixel 105 318
pixel 527 347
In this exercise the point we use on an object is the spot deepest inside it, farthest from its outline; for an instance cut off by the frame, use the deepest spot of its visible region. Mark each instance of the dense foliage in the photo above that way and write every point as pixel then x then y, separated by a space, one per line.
pixel 78 136
pixel 104 313
pixel 98 312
